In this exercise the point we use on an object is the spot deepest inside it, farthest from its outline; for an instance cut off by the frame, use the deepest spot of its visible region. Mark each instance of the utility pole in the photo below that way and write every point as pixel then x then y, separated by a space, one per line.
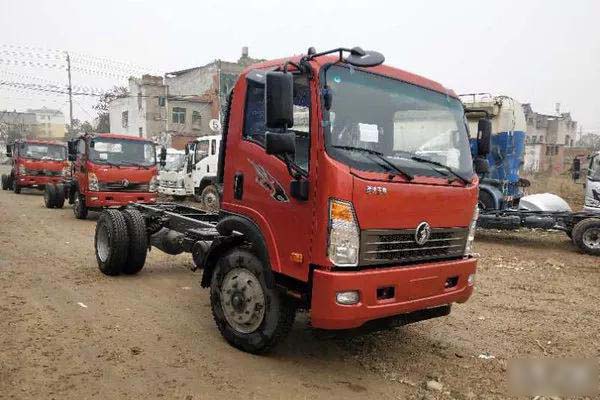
pixel 70 90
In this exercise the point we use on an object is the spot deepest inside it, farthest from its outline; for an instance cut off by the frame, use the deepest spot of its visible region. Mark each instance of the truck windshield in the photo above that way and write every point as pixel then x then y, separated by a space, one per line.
pixel 419 131
pixel 174 162
pixel 122 152
pixel 42 151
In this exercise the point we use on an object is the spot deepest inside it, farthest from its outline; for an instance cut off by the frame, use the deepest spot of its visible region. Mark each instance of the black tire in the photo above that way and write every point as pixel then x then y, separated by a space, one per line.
pixel 586 236
pixel 59 200
pixel 278 310
pixel 15 187
pixel 486 201
pixel 138 241
pixel 79 208
pixel 210 198
pixel 569 234
pixel 178 198
pixel 50 196
pixel 111 242
pixel 5 184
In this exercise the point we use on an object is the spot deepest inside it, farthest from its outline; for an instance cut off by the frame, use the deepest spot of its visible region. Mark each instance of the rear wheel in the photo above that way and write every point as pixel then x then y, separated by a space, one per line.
pixel 50 196
pixel 5 184
pixel 138 241
pixel 79 208
pixel 586 235
pixel 59 200
pixel 210 198
pixel 251 316
pixel 111 242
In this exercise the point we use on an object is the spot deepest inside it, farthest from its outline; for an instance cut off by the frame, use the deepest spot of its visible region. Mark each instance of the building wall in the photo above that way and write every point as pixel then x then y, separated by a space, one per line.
pixel 50 123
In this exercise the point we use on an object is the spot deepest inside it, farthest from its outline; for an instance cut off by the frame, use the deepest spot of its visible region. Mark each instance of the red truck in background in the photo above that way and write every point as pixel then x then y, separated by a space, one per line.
pixel 35 164
pixel 110 170
pixel 348 191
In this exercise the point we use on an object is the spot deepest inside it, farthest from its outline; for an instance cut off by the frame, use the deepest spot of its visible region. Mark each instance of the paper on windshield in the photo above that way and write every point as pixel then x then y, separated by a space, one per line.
pixel 368 133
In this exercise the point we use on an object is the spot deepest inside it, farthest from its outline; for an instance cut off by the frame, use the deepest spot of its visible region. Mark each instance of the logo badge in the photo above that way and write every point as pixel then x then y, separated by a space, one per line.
pixel 125 183
pixel 376 190
pixel 422 233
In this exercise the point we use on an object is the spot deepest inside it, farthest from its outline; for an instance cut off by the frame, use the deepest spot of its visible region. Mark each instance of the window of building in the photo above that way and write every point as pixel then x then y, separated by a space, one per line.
pixel 196 120
pixel 161 101
pixel 254 117
pixel 533 139
pixel 179 115
pixel 141 131
pixel 139 98
pixel 541 139
pixel 125 119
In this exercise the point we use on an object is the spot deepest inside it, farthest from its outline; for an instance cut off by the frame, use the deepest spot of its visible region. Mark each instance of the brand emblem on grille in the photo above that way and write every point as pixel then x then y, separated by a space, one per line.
pixel 125 183
pixel 422 233
pixel 376 190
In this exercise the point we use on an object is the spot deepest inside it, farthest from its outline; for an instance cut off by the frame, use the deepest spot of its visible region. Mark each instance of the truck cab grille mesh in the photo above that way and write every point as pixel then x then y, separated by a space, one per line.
pixel 381 247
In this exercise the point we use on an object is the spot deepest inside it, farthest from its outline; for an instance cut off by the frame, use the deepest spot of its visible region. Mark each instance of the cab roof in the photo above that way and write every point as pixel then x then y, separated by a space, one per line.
pixel 121 136
pixel 383 69
pixel 41 141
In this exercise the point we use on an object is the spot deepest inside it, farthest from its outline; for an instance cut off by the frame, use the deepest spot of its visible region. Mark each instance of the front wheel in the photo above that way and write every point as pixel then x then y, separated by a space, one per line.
pixel 5 184
pixel 50 196
pixel 586 235
pixel 251 316
pixel 15 187
pixel 79 208
pixel 210 198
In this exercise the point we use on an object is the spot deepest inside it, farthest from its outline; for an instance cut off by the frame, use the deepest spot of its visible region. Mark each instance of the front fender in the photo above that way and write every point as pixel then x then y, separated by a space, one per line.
pixel 494 192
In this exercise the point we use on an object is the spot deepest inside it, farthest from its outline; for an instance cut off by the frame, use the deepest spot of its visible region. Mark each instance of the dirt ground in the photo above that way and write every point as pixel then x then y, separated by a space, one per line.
pixel 69 332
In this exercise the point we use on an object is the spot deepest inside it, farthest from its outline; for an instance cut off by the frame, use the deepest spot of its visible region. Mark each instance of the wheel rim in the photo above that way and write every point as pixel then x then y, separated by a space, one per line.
pixel 591 238
pixel 102 246
pixel 77 203
pixel 210 200
pixel 242 300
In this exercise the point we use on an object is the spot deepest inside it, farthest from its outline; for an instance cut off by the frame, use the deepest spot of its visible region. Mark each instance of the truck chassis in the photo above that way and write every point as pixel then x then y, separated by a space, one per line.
pixel 582 227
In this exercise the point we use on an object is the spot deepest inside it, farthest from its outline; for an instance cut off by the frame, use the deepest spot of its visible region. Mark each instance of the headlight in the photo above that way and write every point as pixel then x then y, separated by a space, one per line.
pixel 471 236
pixel 153 185
pixel 22 170
pixel 344 241
pixel 93 182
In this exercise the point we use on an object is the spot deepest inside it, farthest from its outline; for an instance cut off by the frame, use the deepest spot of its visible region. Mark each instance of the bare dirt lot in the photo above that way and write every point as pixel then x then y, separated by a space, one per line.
pixel 69 332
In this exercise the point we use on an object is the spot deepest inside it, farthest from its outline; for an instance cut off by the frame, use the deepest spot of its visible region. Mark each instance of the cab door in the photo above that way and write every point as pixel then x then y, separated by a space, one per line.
pixel 257 185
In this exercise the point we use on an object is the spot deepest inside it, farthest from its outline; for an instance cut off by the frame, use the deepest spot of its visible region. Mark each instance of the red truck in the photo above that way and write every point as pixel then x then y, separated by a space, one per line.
pixel 347 191
pixel 109 170
pixel 35 164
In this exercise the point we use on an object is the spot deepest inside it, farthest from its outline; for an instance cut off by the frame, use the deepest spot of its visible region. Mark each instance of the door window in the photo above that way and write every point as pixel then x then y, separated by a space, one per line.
pixel 201 150
pixel 254 117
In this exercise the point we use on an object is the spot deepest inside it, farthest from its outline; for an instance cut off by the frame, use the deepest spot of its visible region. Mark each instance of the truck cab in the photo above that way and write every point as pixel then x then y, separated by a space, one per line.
pixel 356 182
pixel 592 185
pixel 111 170
pixel 170 176
pixel 197 174
pixel 500 187
pixel 35 164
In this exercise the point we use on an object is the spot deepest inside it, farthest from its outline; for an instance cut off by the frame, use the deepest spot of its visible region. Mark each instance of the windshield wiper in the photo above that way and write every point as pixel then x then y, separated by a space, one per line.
pixel 381 157
pixel 439 164
pixel 133 164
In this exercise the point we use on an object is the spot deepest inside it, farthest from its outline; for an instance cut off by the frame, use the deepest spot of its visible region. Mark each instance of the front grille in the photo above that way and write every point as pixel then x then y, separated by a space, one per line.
pixel 121 186
pixel 380 247
pixel 42 172
pixel 169 184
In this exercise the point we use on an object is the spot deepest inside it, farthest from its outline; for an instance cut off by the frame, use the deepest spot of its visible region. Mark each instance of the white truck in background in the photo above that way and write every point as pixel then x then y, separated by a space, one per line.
pixel 592 185
pixel 196 173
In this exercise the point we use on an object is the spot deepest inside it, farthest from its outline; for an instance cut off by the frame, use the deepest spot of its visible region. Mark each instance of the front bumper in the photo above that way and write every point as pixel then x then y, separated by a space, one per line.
pixel 37 180
pixel 416 288
pixel 117 199
pixel 172 191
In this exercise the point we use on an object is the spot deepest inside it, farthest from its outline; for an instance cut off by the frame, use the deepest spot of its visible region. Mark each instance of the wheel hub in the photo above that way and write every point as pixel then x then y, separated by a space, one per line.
pixel 102 247
pixel 210 199
pixel 591 238
pixel 242 300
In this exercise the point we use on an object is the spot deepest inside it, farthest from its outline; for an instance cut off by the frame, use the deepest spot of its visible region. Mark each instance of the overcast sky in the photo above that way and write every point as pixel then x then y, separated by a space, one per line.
pixel 542 52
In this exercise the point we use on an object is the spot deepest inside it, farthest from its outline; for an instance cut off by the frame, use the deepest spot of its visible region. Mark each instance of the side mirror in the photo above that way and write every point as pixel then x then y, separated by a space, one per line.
pixel 481 165
pixel 279 100
pixel 163 157
pixel 72 150
pixel 484 137
pixel 9 151
pixel 280 143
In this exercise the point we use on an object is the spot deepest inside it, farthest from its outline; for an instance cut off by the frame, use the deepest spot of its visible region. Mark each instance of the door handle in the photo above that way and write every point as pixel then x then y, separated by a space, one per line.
pixel 238 186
